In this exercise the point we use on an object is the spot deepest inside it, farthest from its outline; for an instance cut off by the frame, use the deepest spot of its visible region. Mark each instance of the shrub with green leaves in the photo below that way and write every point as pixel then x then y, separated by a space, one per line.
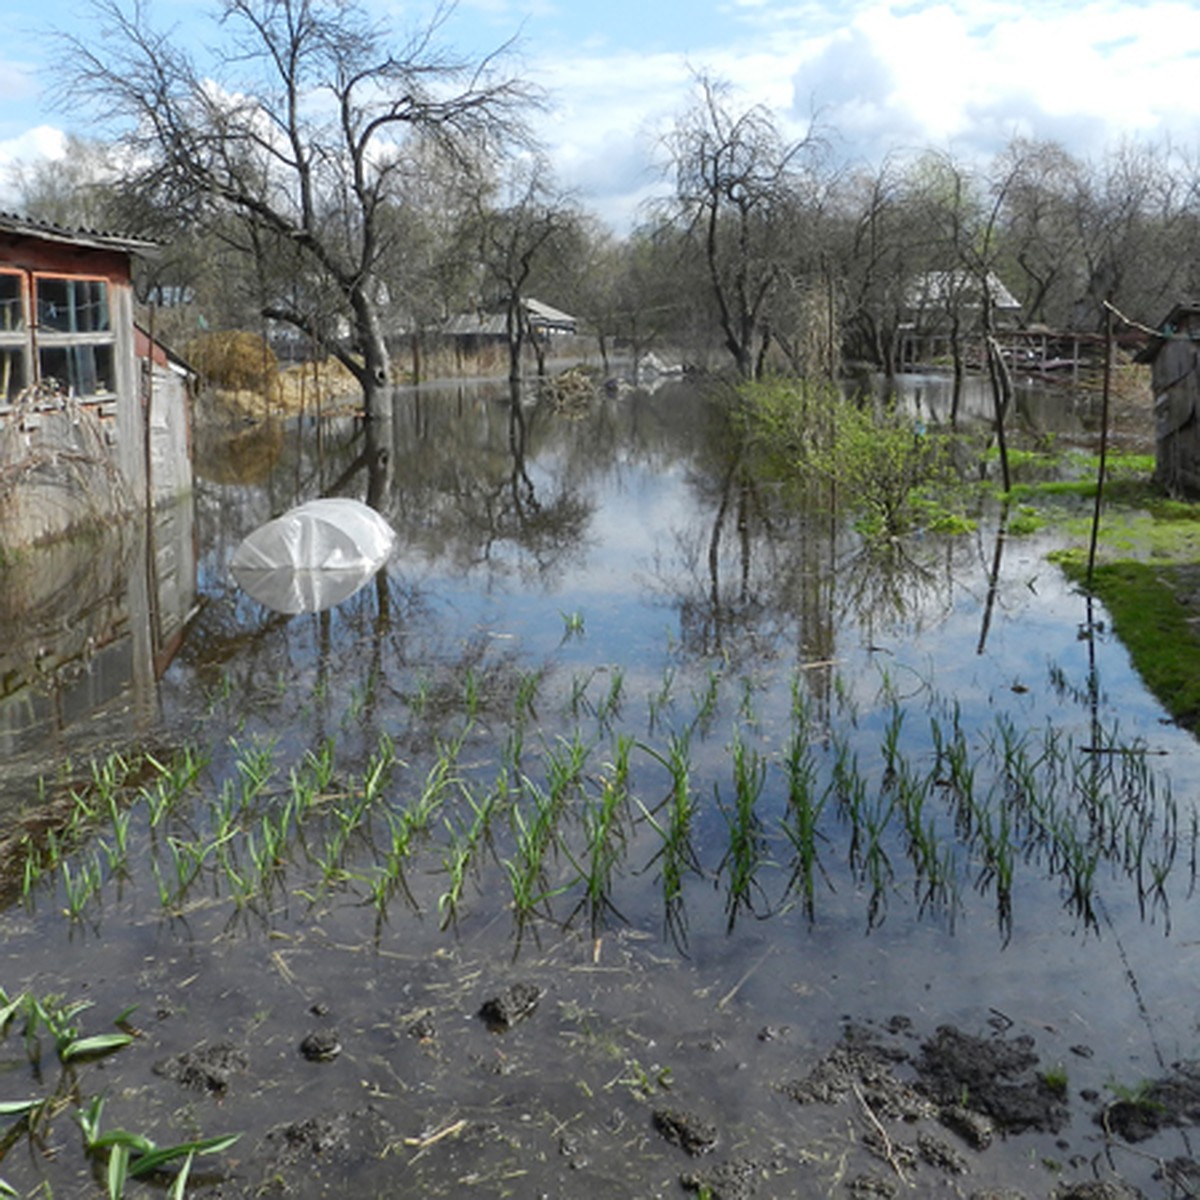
pixel 875 460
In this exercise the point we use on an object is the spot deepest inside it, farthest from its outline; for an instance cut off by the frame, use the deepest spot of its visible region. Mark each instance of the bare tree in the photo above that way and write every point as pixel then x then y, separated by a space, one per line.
pixel 1040 241
pixel 293 140
pixel 519 222
pixel 737 185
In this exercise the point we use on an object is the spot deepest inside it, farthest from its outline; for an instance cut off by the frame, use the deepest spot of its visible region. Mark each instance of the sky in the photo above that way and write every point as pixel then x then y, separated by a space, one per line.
pixel 962 76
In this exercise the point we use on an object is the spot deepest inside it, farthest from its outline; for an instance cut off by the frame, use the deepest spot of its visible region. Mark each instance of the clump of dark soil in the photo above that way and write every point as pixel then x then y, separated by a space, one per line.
pixel 861 1068
pixel 925 1109
pixel 508 1007
pixel 1165 1103
pixel 322 1045
pixel 686 1130
pixel 341 1133
pixel 299 1152
pixel 995 1075
pixel 734 1180
pixel 205 1069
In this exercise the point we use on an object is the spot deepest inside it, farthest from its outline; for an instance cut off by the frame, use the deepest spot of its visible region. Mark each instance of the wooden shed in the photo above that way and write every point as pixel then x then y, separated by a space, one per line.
pixel 1174 358
pixel 77 405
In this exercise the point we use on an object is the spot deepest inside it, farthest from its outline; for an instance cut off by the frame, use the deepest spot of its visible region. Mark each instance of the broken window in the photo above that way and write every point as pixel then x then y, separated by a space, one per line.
pixel 82 370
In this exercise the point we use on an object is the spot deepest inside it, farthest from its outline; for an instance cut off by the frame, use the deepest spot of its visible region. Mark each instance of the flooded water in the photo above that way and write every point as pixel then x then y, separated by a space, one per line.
pixel 675 783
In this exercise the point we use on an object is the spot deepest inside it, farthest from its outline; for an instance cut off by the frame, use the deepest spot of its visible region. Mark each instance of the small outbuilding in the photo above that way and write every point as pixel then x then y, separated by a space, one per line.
pixel 941 307
pixel 1174 358
pixel 84 398
pixel 481 338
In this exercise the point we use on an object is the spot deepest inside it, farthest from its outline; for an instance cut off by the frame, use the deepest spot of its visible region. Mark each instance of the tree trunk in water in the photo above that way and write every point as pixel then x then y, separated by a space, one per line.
pixel 959 370
pixel 512 326
pixel 1001 395
pixel 376 376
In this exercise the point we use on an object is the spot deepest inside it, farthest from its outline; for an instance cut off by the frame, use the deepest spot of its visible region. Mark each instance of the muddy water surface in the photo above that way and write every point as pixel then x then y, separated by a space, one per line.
pixel 631 833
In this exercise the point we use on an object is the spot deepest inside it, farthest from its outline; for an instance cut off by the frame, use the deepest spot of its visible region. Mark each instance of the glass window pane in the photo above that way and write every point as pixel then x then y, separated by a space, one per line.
pixel 12 373
pixel 12 311
pixel 84 370
pixel 72 305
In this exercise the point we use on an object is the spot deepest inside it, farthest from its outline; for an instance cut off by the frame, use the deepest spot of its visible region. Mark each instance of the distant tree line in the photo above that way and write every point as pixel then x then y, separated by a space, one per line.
pixel 360 188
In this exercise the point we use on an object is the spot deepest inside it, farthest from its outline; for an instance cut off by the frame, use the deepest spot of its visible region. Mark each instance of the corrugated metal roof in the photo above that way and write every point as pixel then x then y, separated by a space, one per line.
pixel 94 239
pixel 938 288
pixel 494 324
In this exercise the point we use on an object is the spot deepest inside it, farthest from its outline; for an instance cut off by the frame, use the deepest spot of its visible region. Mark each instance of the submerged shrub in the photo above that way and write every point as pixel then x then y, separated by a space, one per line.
pixel 880 463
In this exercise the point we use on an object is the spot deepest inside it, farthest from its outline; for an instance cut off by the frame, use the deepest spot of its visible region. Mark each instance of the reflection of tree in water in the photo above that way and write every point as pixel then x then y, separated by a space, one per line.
pixel 762 568
pixel 885 585
pixel 549 528
pixel 729 598
pixel 750 569
pixel 238 454
pixel 468 494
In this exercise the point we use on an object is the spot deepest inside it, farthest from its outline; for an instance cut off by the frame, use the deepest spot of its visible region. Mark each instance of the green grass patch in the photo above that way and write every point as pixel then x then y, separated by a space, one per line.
pixel 1153 616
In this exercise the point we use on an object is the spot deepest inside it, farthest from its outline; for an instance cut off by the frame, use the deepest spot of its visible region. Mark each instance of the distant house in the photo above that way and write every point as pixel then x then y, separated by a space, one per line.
pixel 492 325
pixel 477 334
pixel 73 387
pixel 939 305
pixel 936 292
pixel 1174 358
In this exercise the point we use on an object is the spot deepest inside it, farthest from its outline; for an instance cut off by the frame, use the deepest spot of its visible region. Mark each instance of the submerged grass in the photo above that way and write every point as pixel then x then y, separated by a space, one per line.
pixel 895 799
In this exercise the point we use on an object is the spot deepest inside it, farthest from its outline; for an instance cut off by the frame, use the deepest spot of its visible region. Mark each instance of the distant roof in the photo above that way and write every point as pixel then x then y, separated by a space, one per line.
pixel 938 287
pixel 94 239
pixel 546 317
pixel 540 316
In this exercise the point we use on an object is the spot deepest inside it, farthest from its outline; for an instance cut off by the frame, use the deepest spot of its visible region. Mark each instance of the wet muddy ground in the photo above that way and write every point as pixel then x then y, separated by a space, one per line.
pixel 560 1083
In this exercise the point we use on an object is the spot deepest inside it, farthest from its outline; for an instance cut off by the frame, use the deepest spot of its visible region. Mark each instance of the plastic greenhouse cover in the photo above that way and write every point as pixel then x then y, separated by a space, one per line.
pixel 313 556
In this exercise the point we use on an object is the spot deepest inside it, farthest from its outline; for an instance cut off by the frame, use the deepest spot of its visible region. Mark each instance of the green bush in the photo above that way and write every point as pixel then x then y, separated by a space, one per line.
pixel 876 460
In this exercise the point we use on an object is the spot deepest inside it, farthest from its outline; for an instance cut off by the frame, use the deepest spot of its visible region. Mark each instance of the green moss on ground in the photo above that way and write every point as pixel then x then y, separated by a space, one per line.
pixel 1149 581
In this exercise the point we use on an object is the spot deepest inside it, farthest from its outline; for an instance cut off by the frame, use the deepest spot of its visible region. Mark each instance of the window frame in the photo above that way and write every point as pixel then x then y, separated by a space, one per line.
pixel 16 341
pixel 74 343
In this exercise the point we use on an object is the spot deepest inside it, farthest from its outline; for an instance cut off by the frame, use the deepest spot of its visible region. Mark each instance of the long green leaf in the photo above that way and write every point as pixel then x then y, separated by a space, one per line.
pixel 100 1043
pixel 15 1108
pixel 8 1008
pixel 118 1170
pixel 158 1158
pixel 89 1120
pixel 122 1137
pixel 180 1182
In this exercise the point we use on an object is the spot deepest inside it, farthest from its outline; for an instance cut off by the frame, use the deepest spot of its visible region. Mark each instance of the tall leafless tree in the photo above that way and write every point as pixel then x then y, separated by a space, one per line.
pixel 519 221
pixel 293 139
pixel 738 184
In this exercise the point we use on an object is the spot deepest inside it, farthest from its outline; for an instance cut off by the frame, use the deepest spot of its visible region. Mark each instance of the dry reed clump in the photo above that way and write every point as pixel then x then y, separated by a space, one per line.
pixel 243 376
pixel 299 387
pixel 233 360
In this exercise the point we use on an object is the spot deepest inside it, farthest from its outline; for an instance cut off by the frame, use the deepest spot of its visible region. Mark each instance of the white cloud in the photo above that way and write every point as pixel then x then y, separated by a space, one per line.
pixel 964 75
pixel 43 141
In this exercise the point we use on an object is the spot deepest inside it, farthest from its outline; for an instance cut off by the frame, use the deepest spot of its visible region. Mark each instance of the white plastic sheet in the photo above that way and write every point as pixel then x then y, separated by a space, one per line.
pixel 314 556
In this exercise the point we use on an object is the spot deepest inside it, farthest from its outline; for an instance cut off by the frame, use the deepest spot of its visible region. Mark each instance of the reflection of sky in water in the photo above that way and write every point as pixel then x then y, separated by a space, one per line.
pixel 638 575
